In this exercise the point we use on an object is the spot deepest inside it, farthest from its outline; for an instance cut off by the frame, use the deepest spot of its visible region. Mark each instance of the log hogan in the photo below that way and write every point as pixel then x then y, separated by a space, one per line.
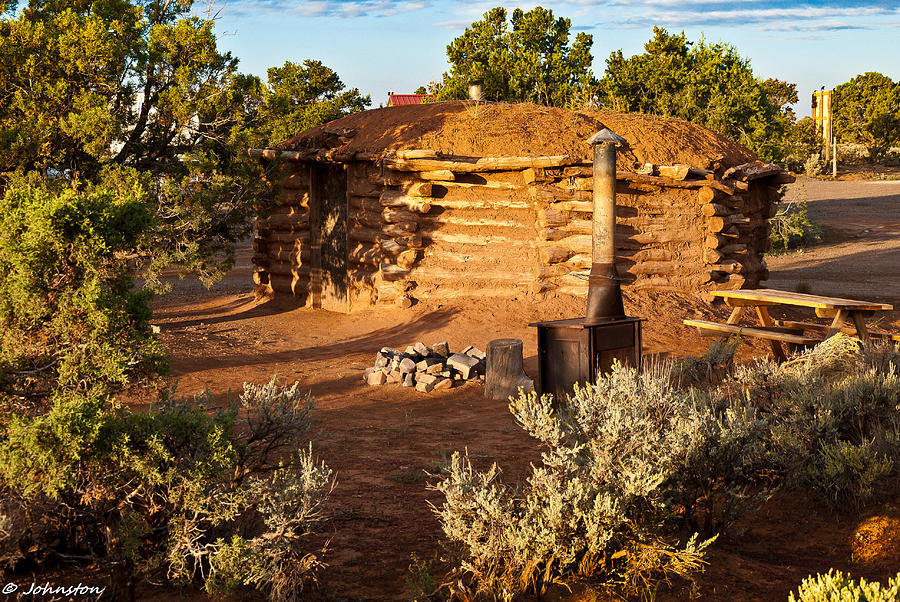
pixel 457 199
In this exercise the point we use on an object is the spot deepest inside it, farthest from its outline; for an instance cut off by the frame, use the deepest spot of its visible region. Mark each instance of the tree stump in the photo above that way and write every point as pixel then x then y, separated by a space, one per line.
pixel 504 373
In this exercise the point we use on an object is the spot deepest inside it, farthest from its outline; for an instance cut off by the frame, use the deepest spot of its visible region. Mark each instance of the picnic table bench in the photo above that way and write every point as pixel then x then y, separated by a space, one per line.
pixel 792 332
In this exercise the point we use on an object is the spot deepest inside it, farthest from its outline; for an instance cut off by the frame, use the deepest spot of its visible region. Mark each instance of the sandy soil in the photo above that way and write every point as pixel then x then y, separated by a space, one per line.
pixel 861 254
pixel 503 129
pixel 382 441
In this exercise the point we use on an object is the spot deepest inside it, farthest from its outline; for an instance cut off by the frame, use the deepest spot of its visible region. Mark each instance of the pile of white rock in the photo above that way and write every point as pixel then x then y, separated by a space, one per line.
pixel 426 368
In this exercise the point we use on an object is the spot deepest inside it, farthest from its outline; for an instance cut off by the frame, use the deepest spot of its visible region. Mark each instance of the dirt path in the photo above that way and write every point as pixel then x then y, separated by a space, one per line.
pixel 861 255
pixel 383 440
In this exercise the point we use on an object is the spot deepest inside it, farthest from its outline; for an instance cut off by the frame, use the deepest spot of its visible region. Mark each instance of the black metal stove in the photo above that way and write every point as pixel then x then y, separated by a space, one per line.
pixel 577 349
pixel 572 350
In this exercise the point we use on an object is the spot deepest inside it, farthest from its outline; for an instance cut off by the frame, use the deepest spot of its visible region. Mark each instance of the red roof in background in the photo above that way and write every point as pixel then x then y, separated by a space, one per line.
pixel 395 100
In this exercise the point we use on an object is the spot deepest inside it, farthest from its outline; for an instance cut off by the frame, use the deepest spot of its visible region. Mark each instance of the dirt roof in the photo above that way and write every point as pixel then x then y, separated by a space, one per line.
pixel 500 129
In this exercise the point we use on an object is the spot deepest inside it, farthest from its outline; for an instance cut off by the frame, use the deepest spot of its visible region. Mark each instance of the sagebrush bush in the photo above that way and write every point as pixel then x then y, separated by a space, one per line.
pixel 835 586
pixel 629 460
pixel 833 413
pixel 842 471
pixel 137 492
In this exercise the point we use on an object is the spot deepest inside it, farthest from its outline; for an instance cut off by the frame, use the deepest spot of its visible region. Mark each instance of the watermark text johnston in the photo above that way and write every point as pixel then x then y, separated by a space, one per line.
pixel 48 589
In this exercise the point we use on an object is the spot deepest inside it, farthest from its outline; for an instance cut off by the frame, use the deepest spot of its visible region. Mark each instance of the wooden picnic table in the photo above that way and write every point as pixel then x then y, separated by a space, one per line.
pixel 840 310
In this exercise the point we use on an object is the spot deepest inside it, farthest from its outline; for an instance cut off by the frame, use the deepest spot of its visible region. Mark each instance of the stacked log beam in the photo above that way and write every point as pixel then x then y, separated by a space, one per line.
pixel 281 245
pixel 442 229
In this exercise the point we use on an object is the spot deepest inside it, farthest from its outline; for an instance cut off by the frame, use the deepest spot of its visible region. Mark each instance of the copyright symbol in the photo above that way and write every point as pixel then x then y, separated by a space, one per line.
pixel 10 588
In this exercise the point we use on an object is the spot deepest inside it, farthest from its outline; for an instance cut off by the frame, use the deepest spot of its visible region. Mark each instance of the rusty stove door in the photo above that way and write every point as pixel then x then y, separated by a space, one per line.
pixel 328 236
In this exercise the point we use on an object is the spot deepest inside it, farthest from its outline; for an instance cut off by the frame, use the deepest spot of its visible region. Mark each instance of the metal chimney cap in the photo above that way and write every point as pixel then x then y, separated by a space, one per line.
pixel 606 135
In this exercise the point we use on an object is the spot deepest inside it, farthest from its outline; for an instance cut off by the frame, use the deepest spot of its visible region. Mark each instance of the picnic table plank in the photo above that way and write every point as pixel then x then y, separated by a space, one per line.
pixel 716 328
pixel 848 330
pixel 776 297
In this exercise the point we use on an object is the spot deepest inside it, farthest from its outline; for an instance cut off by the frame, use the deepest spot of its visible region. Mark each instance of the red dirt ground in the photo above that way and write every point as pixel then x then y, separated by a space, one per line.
pixel 382 440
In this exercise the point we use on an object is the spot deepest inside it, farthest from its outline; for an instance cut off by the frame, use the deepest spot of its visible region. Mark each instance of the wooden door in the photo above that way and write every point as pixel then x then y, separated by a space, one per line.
pixel 328 236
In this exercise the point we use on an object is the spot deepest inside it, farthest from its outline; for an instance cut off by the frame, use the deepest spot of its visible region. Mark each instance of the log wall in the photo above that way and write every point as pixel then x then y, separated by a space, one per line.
pixel 420 227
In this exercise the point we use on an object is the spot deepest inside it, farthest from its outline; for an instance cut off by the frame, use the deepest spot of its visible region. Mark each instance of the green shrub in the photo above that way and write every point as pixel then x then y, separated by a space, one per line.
pixel 792 228
pixel 628 461
pixel 167 488
pixel 70 315
pixel 835 586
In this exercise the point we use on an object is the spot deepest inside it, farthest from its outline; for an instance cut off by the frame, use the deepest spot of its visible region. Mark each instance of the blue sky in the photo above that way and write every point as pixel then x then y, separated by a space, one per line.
pixel 382 45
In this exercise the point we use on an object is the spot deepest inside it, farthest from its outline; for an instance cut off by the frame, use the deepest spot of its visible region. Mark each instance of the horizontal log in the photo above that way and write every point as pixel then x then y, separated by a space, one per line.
pixel 664 236
pixel 395 215
pixel 659 181
pixel 393 272
pixel 400 228
pixel 732 247
pixel 298 180
pixel 424 274
pixel 363 187
pixel 411 241
pixel 290 210
pixel 676 172
pixel 712 256
pixel 438 174
pixel 552 217
pixel 753 171
pixel 393 198
pixel 297 198
pixel 366 253
pixel 553 194
pixel 728 266
pixel 670 183
pixel 576 184
pixel 506 203
pixel 717 224
pixel 283 268
pixel 360 234
pixel 468 239
pixel 368 219
pixel 481 164
pixel 485 185
pixel 471 221
pixel 555 254
pixel 654 254
pixel 260 259
pixel 287 236
pixel 736 184
pixel 287 222
pixel 372 205
pixel 578 206
pixel 419 189
pixel 289 253
pixel 533 174
pixel 444 292
pixel 415 153
pixel 661 267
pixel 407 258
pixel 660 283
pixel 706 195
pixel 289 285
pixel 392 247
pixel 713 209
pixel 729 281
